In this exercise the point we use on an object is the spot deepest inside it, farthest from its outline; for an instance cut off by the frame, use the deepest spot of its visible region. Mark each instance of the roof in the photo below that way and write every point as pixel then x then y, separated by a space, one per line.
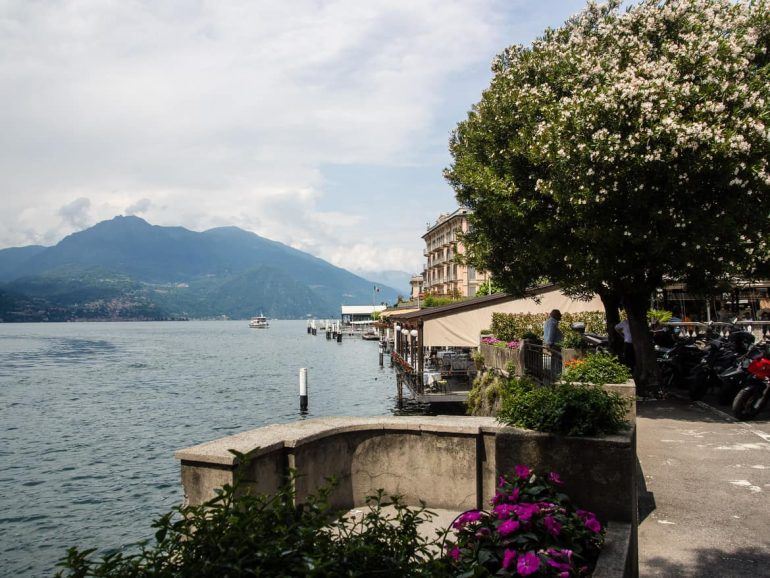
pixel 468 304
pixel 386 314
pixel 443 218
pixel 361 309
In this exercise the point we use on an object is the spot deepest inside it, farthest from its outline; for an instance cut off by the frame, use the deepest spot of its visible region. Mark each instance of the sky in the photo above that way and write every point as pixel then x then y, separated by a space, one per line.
pixel 320 124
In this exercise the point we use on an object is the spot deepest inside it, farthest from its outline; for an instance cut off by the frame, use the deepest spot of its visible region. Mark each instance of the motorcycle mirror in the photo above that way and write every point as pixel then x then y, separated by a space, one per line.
pixel 578 326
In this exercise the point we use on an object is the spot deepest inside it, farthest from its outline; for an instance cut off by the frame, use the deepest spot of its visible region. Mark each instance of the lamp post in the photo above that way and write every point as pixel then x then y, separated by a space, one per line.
pixel 397 338
pixel 413 333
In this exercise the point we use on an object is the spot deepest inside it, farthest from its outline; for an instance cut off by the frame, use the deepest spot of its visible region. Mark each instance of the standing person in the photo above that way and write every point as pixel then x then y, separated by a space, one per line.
pixel 551 332
pixel 628 345
pixel 552 336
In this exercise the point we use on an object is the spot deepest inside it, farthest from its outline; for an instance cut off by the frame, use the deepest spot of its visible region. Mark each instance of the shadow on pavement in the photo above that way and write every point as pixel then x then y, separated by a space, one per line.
pixel 645 499
pixel 745 562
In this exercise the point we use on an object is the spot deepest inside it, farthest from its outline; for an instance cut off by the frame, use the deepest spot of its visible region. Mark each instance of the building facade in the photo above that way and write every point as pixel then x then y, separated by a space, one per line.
pixel 443 275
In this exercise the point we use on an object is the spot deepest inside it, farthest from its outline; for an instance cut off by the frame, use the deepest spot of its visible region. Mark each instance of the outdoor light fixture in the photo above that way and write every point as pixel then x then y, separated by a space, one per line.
pixel 397 327
pixel 414 333
pixel 405 331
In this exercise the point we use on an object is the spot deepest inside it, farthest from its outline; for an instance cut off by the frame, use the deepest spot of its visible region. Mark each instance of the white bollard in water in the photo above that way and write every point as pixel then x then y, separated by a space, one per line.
pixel 303 389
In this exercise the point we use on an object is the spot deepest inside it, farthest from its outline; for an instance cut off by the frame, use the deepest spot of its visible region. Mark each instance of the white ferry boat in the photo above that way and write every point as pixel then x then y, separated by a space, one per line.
pixel 259 322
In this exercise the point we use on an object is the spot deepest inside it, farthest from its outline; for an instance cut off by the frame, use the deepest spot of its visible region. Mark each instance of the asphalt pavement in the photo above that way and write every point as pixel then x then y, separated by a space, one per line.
pixel 704 491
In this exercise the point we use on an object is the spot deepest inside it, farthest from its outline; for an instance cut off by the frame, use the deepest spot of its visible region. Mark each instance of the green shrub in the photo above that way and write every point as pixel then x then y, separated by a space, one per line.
pixel 658 316
pixel 241 534
pixel 596 369
pixel 572 340
pixel 566 409
pixel 489 392
pixel 437 301
pixel 510 326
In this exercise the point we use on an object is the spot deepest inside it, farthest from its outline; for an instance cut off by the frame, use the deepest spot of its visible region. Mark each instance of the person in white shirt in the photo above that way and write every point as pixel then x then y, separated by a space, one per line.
pixel 628 345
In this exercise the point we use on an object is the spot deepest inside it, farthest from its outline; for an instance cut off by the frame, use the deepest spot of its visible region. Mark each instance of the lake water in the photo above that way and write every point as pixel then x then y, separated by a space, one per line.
pixel 91 413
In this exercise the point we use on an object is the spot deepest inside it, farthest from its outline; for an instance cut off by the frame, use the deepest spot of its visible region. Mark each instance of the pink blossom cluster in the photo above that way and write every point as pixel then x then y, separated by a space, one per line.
pixel 531 530
pixel 490 340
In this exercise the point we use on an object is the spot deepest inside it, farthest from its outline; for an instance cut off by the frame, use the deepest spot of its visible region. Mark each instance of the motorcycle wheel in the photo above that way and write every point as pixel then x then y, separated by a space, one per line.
pixel 744 404
pixel 668 377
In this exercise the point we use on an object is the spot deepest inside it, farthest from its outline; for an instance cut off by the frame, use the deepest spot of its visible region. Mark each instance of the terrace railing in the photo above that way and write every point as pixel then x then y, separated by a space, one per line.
pixel 542 363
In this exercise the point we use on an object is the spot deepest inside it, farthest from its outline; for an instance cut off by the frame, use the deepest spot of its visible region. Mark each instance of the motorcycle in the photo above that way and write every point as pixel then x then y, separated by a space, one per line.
pixel 591 341
pixel 678 363
pixel 721 355
pixel 755 395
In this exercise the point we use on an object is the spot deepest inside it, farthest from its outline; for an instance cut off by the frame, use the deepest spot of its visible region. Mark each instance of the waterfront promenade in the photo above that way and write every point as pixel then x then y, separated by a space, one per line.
pixel 705 495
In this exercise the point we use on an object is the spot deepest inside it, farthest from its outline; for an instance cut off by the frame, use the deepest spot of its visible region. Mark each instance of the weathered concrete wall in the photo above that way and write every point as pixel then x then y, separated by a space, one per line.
pixel 447 462
pixel 498 358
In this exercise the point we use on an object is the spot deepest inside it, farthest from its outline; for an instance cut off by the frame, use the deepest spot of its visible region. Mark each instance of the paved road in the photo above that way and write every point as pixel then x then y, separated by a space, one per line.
pixel 705 510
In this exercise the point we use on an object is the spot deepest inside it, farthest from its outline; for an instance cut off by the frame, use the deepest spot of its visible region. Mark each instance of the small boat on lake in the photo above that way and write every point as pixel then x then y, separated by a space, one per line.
pixel 259 322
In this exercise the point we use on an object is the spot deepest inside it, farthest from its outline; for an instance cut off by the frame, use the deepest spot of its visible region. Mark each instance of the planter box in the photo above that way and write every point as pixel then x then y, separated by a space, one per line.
pixel 448 462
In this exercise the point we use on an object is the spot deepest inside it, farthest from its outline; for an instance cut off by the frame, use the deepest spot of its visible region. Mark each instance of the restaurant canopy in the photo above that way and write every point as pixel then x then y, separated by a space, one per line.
pixel 459 324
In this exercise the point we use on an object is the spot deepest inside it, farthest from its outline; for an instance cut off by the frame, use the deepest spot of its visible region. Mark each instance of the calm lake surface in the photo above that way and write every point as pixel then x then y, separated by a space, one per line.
pixel 91 413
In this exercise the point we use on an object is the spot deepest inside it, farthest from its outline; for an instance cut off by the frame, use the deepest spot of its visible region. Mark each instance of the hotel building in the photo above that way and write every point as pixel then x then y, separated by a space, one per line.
pixel 443 275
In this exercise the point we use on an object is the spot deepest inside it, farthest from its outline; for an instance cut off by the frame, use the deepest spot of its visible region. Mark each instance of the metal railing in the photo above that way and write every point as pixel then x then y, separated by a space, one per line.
pixel 542 363
pixel 719 328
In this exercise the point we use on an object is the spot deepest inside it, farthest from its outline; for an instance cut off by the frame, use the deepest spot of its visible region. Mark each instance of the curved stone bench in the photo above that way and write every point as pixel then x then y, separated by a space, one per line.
pixel 450 463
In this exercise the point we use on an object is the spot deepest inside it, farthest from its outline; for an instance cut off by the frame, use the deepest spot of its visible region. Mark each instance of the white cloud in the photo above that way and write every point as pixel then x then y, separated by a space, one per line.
pixel 215 113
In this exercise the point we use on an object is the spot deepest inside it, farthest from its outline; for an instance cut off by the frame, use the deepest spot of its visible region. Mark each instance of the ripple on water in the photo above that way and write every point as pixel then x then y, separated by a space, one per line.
pixel 92 414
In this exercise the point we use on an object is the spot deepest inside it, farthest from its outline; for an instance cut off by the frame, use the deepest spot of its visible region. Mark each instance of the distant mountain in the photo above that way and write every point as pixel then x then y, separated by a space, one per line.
pixel 399 280
pixel 126 264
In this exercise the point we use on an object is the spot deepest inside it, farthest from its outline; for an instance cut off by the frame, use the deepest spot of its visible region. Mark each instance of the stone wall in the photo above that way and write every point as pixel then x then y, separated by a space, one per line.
pixel 447 462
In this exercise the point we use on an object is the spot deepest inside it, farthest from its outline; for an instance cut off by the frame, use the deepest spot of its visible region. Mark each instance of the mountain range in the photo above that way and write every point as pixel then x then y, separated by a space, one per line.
pixel 126 268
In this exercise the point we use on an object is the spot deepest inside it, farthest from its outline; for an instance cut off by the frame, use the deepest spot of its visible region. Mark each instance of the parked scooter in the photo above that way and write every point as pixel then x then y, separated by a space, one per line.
pixel 721 355
pixel 591 341
pixel 756 394
pixel 678 363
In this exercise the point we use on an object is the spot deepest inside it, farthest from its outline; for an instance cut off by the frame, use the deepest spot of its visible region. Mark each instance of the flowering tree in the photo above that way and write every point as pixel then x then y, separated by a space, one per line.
pixel 621 150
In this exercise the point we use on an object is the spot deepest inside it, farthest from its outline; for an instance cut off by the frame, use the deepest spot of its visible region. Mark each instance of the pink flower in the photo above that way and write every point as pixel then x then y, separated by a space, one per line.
pixel 503 511
pixel 552 526
pixel 454 553
pixel 514 495
pixel 593 525
pixel 508 527
pixel 509 558
pixel 501 481
pixel 470 516
pixel 522 471
pixel 564 553
pixel 555 478
pixel 528 564
pixel 483 532
pixel 544 506
pixel 590 521
pixel 525 511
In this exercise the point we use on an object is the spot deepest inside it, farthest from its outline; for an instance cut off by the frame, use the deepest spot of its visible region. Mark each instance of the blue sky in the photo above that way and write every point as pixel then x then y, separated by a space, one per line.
pixel 323 125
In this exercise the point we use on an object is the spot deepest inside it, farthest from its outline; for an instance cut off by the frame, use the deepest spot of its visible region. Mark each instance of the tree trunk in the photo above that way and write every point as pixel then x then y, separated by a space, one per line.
pixel 611 302
pixel 646 370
